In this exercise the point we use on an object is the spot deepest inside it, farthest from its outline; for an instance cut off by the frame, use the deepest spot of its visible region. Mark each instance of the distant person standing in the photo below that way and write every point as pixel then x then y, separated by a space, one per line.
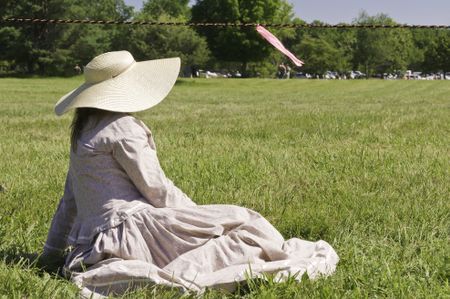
pixel 77 69
pixel 281 71
pixel 194 71
pixel 288 72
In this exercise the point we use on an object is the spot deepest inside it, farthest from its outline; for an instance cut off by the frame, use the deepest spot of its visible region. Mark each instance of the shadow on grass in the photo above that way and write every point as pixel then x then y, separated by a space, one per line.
pixel 184 82
pixel 26 260
pixel 16 256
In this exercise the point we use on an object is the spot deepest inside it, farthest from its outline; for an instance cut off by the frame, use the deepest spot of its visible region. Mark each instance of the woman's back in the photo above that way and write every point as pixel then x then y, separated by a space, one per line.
pixel 100 184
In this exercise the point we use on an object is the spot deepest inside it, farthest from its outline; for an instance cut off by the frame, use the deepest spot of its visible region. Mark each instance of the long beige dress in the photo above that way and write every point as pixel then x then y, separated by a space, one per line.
pixel 127 224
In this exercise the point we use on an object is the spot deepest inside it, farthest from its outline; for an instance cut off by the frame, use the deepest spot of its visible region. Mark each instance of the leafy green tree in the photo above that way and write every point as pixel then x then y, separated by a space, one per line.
pixel 84 42
pixel 8 38
pixel 172 8
pixel 435 45
pixel 379 51
pixel 344 40
pixel 50 49
pixel 324 49
pixel 154 42
pixel 33 44
pixel 243 44
pixel 160 42
pixel 422 39
pixel 318 54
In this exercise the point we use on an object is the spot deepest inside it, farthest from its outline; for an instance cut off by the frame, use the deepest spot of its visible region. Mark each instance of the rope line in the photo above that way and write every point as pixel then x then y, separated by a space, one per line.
pixel 215 24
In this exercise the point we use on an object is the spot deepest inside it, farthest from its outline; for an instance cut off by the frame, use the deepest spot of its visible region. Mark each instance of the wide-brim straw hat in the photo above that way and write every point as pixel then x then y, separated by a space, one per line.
pixel 114 81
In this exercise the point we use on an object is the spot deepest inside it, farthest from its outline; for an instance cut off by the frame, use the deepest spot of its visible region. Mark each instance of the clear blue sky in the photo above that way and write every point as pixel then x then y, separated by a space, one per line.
pixel 420 12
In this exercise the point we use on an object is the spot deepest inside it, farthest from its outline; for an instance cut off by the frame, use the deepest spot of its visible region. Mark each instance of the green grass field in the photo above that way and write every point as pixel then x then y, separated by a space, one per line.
pixel 364 165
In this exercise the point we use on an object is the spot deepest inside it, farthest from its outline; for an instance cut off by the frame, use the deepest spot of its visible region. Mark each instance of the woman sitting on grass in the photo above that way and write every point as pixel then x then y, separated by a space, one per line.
pixel 121 222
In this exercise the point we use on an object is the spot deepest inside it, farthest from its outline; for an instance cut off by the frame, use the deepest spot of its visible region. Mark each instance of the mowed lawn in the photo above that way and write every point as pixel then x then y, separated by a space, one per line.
pixel 364 165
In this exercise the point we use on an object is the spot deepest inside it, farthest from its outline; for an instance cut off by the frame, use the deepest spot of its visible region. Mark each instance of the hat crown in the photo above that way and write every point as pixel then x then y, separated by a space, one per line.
pixel 107 66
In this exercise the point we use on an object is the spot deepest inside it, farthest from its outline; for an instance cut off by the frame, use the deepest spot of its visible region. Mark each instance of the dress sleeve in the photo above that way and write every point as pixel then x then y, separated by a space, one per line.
pixel 137 155
pixel 62 221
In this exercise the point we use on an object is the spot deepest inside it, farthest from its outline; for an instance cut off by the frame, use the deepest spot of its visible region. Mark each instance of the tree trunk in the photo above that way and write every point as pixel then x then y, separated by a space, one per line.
pixel 244 69
pixel 367 70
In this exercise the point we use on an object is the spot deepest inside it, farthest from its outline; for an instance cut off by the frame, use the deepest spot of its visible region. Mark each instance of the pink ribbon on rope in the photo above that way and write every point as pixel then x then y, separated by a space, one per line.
pixel 267 35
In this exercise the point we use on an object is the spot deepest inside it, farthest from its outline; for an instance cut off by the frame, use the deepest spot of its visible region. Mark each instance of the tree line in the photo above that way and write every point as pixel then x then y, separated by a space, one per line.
pixel 54 49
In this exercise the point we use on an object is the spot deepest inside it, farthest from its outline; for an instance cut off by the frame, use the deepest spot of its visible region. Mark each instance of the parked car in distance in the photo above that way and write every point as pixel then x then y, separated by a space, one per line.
pixel 301 75
pixel 356 75
pixel 410 75
pixel 360 75
pixel 330 75
pixel 210 74
pixel 429 77
pixel 389 76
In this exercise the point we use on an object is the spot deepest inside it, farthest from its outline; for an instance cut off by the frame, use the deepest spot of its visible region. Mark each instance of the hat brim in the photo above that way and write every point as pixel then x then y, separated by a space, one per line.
pixel 140 87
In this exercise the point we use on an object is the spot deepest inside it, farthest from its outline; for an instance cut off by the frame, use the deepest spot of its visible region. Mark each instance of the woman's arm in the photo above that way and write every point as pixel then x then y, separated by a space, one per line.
pixel 137 155
pixel 62 223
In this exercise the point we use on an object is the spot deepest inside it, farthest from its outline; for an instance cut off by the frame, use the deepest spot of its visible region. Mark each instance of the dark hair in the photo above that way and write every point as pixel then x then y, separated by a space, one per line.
pixel 81 118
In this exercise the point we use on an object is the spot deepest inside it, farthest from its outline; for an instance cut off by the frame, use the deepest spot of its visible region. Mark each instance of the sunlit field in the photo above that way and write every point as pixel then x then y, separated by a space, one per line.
pixel 364 165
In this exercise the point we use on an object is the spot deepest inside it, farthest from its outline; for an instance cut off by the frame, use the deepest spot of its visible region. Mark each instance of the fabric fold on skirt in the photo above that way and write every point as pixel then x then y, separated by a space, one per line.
pixel 193 248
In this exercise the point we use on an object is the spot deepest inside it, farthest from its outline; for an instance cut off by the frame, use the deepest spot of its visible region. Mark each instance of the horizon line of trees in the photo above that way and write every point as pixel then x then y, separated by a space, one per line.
pixel 54 49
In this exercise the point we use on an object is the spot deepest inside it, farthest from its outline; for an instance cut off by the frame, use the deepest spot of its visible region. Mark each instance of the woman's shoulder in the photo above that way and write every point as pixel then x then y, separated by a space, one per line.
pixel 126 126
pixel 113 129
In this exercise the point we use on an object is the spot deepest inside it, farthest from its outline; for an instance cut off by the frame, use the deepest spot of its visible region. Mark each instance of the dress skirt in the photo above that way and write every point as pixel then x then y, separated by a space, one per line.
pixel 192 248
